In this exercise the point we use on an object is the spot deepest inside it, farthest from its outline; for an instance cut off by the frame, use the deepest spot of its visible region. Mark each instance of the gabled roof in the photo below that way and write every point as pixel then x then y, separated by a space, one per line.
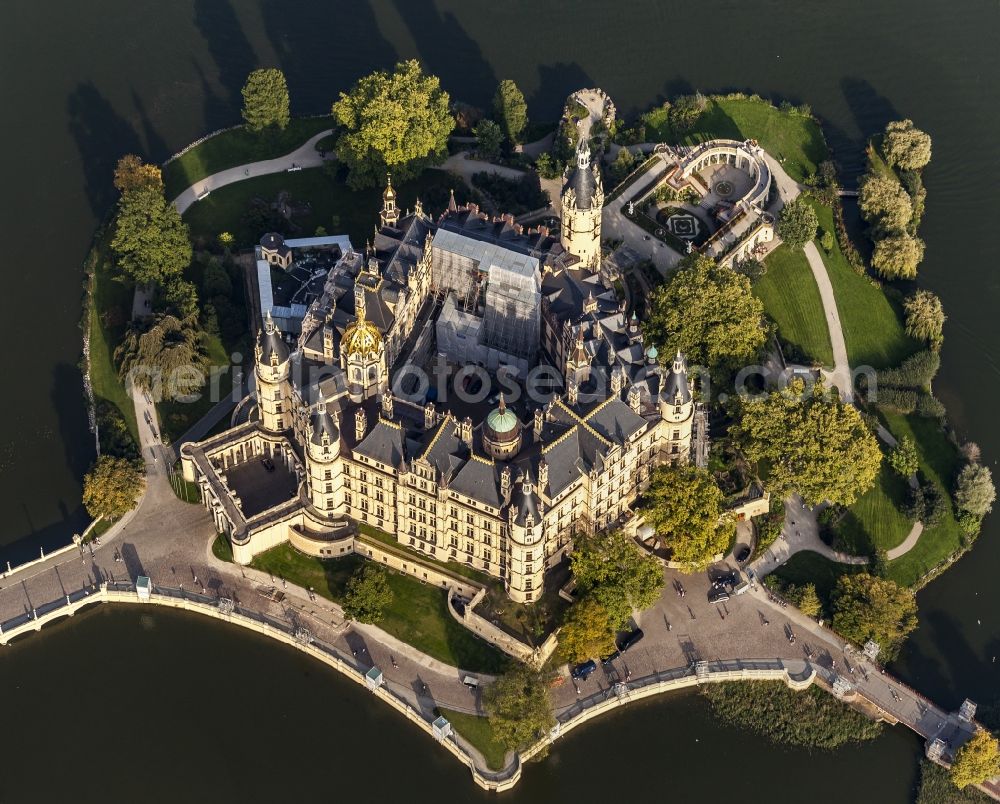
pixel 384 443
pixel 478 479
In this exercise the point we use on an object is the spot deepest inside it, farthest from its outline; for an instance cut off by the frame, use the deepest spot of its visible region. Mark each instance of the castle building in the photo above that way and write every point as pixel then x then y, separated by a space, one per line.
pixel 501 483
pixel 582 204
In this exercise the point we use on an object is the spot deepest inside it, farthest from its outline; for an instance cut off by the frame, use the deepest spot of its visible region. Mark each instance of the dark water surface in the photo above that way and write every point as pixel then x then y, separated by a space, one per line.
pixel 83 83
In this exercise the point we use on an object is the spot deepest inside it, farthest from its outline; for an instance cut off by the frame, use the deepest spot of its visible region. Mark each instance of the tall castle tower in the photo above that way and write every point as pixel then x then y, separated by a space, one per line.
pixel 272 371
pixel 582 201
pixel 676 410
pixel 526 565
pixel 322 461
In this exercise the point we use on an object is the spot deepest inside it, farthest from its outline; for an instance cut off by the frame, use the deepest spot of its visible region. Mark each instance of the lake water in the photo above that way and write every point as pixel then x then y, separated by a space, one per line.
pixel 84 83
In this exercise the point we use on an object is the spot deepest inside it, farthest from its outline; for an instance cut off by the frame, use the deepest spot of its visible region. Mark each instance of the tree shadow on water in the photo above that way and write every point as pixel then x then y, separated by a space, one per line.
pixel 102 136
pixel 229 47
pixel 322 48
pixel 871 110
pixel 555 82
pixel 443 44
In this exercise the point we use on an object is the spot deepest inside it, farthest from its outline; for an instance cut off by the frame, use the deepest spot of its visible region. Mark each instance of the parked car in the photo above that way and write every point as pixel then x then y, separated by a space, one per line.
pixel 717 594
pixel 630 639
pixel 268 464
pixel 582 671
pixel 742 553
pixel 610 657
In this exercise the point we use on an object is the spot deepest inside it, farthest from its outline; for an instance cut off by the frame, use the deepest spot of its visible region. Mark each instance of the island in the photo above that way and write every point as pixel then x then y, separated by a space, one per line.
pixel 511 468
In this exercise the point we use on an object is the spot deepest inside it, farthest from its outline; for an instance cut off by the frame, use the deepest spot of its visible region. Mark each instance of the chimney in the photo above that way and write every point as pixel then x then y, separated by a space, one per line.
pixel 465 431
pixel 387 404
pixel 327 343
pixel 505 482
pixel 360 424
pixel 635 399
pixel 539 422
pixel 572 391
pixel 617 379
pixel 430 416
pixel 543 475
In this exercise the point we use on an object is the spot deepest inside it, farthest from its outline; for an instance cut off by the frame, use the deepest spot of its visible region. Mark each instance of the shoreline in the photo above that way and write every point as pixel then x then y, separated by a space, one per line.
pixel 797 677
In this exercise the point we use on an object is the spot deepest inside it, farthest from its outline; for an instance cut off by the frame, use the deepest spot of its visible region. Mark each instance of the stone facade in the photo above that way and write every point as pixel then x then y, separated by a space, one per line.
pixel 505 487
pixel 582 205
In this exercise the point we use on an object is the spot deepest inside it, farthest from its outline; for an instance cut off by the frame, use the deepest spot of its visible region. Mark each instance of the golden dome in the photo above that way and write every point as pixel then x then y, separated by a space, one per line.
pixel 361 338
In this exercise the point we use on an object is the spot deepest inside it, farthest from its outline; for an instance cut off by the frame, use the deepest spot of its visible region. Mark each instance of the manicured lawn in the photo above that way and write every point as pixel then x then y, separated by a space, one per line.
pixel 939 463
pixel 418 614
pixel 112 305
pixel 477 731
pixel 356 210
pixel 794 140
pixel 875 520
pixel 222 549
pixel 792 299
pixel 873 325
pixel 238 147
pixel 809 567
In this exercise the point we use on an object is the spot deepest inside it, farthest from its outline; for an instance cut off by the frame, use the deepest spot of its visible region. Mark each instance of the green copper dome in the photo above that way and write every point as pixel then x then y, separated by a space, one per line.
pixel 651 353
pixel 501 421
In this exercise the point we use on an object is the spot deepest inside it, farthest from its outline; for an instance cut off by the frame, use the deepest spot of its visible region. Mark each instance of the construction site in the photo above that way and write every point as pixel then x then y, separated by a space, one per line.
pixel 490 303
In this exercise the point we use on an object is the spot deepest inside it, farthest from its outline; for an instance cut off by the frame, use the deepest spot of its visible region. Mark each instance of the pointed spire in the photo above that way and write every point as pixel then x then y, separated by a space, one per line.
pixel 268 323
pixel 502 407
pixel 583 154
pixel 452 204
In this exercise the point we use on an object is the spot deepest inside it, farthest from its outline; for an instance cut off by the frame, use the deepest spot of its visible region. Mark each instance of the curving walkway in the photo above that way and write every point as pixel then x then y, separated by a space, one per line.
pixel 840 377
pixel 799 534
pixel 305 156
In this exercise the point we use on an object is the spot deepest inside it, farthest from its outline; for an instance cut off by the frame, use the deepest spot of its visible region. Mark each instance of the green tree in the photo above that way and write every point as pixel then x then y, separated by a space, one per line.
pixel 924 317
pixel 685 111
pixel 709 313
pixel 623 165
pixel 615 571
pixel 265 99
pixel 215 281
pixel 866 607
pixel 547 167
pixel 884 203
pixel 974 490
pixel 151 242
pixel 226 240
pixel 897 256
pixel 805 599
pixel 163 355
pixel 588 630
pixel 131 173
pixel 686 507
pixel 905 146
pixel 111 487
pixel 368 594
pixel 181 296
pixel 977 760
pixel 392 122
pixel 489 138
pixel 752 268
pixel 518 707
pixel 815 445
pixel 510 111
pixel 903 458
pixel 797 223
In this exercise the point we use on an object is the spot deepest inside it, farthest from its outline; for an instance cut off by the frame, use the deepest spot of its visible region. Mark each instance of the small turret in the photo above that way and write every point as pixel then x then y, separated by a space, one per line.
pixel 360 424
pixel 389 216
